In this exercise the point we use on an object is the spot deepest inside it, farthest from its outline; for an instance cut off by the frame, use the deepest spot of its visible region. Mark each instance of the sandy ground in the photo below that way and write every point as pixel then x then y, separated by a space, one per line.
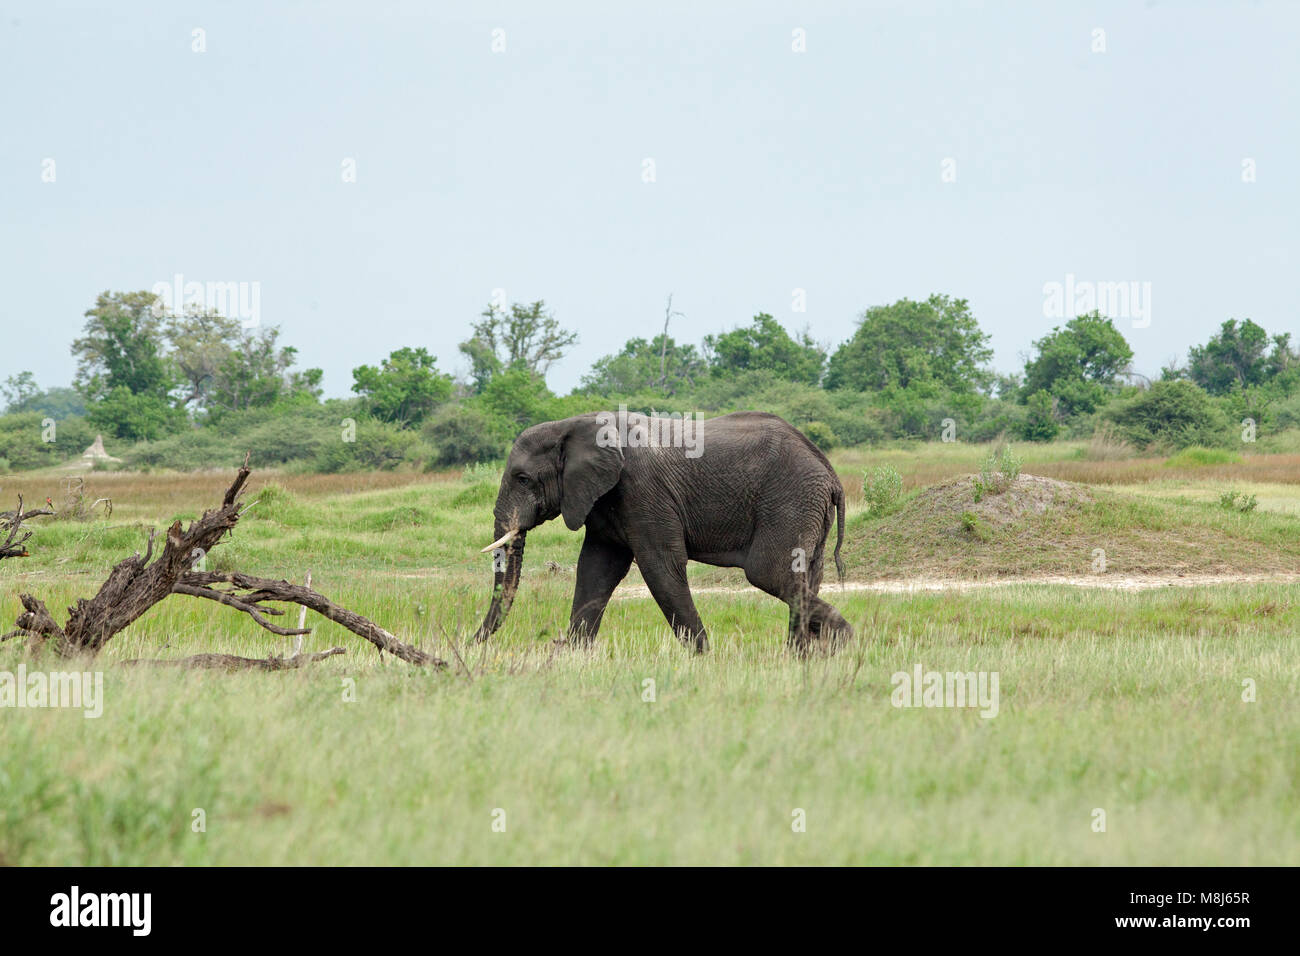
pixel 1114 582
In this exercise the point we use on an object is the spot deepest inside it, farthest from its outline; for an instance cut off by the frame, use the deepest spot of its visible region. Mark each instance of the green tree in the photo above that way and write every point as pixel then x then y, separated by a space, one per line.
pixel 765 344
pixel 936 344
pixel 258 372
pixel 201 342
pixel 59 402
pixel 524 337
pixel 517 398
pixel 1171 413
pixel 405 389
pixel 463 435
pixel 1237 356
pixel 1077 364
pixel 638 366
pixel 19 390
pixel 122 348
pixel 135 416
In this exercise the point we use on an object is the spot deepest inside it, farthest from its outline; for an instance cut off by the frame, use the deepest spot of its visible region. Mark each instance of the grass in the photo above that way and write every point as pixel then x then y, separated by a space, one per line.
pixel 1128 702
pixel 1198 457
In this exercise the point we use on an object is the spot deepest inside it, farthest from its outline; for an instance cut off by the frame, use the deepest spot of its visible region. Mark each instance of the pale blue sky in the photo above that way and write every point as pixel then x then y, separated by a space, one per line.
pixel 522 170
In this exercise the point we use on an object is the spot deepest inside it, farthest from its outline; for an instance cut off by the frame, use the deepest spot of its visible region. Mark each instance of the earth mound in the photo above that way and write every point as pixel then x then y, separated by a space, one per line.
pixel 1019 499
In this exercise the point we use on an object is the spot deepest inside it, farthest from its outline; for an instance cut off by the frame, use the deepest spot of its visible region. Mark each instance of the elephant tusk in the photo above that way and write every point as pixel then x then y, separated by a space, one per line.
pixel 504 539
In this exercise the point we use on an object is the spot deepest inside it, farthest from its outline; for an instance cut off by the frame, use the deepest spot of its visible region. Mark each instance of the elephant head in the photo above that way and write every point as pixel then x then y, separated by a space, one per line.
pixel 556 468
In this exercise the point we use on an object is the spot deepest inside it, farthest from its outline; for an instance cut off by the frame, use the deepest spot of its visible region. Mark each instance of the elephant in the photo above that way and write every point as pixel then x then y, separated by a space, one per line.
pixel 744 490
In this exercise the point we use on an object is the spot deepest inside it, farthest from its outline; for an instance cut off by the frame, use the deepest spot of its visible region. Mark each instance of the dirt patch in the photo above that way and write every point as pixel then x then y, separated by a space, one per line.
pixel 1025 497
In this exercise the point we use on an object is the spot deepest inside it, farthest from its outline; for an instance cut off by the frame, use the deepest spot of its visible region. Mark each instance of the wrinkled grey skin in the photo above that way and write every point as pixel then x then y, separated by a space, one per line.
pixel 758 491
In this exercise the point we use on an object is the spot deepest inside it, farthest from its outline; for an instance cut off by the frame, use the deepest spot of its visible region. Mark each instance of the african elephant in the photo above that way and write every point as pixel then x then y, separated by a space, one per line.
pixel 743 490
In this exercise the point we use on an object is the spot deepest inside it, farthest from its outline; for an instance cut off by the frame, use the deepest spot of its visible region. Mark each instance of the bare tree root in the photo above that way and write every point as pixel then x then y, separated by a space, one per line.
pixel 138 583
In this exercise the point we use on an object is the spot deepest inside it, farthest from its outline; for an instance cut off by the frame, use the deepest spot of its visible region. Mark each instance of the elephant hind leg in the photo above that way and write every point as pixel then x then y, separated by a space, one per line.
pixel 828 624
pixel 794 574
pixel 814 622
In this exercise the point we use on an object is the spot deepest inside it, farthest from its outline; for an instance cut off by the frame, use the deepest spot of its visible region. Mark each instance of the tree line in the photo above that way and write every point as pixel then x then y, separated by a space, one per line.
pixel 182 389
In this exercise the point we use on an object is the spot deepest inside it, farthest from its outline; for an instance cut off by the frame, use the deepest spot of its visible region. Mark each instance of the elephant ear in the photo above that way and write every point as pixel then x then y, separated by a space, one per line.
pixel 591 468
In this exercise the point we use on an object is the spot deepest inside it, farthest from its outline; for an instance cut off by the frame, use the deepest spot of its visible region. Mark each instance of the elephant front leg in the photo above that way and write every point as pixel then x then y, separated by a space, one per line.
pixel 665 575
pixel 601 565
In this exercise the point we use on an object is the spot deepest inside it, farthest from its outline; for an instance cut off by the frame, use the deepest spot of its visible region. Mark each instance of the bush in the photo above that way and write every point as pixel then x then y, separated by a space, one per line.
pixel 375 444
pixel 974 526
pixel 23 444
pixel 1039 424
pixel 999 473
pixel 462 435
pixel 1238 501
pixel 123 414
pixel 996 418
pixel 882 487
pixel 1172 414
pixel 820 434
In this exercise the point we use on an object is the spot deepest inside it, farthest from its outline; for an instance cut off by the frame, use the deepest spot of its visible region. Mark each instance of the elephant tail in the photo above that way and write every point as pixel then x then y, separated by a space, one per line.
pixel 839 533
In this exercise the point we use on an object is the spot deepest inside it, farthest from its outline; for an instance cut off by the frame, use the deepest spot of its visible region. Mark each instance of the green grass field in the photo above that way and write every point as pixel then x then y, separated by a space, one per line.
pixel 1129 702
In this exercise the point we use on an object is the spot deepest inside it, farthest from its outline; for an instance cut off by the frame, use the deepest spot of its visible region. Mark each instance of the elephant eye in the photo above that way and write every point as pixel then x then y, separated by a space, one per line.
pixel 522 479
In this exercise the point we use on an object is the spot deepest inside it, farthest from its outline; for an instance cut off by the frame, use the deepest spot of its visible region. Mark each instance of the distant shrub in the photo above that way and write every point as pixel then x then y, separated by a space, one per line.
pixel 882 487
pixel 820 434
pixel 285 440
pixel 133 417
pixel 375 444
pixel 1238 501
pixel 23 440
pixel 1286 414
pixel 996 418
pixel 462 435
pixel 1039 424
pixel 1172 413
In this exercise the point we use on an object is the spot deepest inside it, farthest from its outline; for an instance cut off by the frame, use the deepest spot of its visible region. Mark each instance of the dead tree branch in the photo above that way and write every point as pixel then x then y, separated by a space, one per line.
pixel 257 590
pixel 11 524
pixel 138 583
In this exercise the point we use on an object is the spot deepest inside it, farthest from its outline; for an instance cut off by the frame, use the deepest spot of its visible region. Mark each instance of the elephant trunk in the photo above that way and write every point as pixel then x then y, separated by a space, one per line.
pixel 507 563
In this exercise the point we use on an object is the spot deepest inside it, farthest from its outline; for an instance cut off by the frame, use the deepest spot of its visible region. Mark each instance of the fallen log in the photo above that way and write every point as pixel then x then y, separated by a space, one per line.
pixel 139 582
